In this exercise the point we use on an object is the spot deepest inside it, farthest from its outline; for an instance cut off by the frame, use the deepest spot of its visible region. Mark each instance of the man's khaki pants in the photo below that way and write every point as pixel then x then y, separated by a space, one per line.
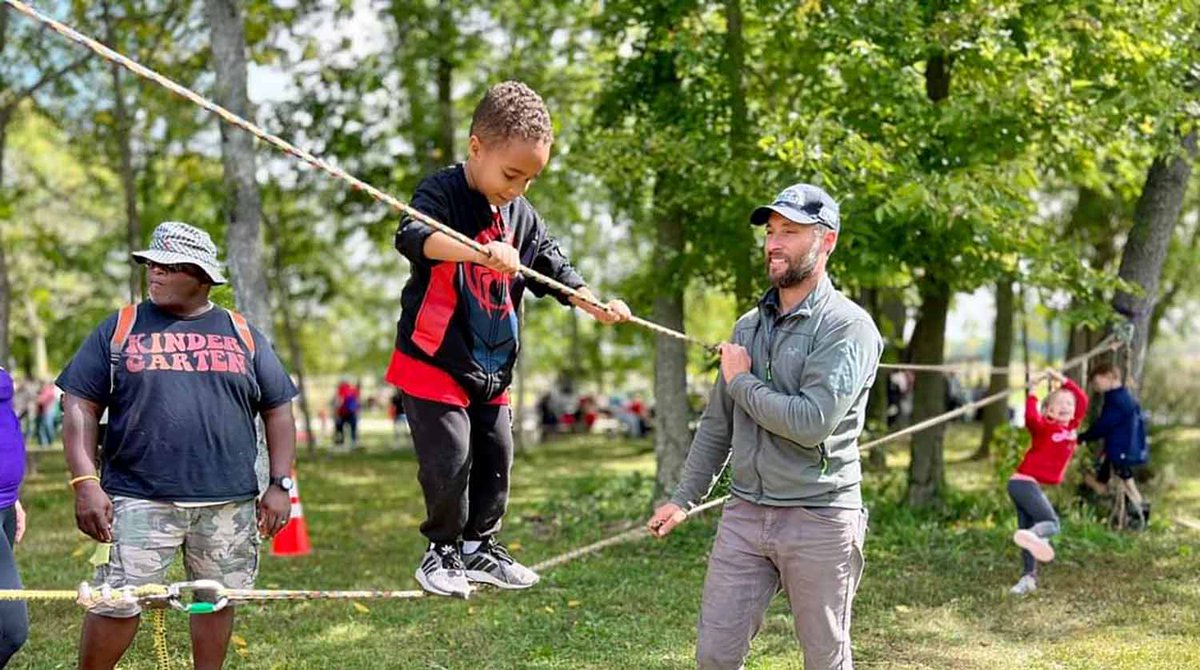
pixel 813 554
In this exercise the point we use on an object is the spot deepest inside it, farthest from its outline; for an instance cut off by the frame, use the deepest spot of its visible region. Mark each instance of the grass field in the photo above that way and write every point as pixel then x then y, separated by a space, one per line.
pixel 933 596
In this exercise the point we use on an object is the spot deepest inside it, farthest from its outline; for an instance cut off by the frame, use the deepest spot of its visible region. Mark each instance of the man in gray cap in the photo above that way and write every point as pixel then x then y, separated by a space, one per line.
pixel 183 382
pixel 786 412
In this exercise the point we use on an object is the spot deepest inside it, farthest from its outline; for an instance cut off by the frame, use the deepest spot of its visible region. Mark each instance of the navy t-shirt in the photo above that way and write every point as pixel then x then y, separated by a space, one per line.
pixel 181 414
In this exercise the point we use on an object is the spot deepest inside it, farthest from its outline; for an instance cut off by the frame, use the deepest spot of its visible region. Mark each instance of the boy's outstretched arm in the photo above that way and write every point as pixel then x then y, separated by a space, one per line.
pixel 549 259
pixel 1108 419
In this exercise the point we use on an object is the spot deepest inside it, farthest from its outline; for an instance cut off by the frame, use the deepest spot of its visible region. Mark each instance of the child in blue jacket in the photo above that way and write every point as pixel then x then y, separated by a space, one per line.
pixel 1123 430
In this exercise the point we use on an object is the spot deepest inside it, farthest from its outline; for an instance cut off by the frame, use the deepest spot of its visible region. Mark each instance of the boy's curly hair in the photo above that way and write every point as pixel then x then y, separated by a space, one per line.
pixel 511 110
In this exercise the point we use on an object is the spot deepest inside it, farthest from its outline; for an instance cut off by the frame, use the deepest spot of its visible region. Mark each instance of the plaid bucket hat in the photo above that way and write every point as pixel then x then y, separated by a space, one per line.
pixel 174 242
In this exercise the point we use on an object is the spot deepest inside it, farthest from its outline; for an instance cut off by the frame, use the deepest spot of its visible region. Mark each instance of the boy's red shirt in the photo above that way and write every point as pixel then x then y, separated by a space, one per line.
pixel 1052 443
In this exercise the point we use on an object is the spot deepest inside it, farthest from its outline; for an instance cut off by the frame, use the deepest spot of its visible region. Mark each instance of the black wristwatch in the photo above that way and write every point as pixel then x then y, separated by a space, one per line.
pixel 286 483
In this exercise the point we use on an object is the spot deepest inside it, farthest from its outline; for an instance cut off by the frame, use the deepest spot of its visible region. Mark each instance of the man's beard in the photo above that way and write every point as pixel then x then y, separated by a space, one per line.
pixel 798 269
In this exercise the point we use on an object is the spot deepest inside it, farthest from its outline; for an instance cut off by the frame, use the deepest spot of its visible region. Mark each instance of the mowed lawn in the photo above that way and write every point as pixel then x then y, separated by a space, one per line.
pixel 934 593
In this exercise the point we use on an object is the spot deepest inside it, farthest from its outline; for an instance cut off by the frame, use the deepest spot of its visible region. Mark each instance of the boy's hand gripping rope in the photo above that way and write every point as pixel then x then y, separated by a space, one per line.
pixel 333 171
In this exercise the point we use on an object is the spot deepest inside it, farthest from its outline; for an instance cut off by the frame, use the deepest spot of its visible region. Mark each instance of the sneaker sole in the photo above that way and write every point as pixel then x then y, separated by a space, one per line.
pixel 487 578
pixel 430 588
pixel 1041 550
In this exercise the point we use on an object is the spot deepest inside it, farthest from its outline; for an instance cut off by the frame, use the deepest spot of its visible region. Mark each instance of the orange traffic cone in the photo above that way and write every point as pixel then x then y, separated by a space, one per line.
pixel 293 539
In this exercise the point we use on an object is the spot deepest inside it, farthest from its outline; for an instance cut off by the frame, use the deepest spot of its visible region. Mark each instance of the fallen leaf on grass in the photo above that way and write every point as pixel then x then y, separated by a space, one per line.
pixel 361 608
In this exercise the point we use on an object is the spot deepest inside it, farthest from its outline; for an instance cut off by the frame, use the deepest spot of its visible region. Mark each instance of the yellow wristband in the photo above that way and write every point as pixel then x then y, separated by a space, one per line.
pixel 83 478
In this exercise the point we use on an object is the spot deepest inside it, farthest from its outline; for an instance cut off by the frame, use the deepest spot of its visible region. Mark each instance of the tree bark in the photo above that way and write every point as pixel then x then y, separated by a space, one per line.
pixel 735 63
pixel 996 414
pixel 1154 221
pixel 123 141
pixel 877 402
pixel 671 435
pixel 740 143
pixel 243 206
pixel 926 471
pixel 1175 285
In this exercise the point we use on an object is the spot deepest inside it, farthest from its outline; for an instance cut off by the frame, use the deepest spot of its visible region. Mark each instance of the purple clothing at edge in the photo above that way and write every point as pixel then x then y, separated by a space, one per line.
pixel 12 444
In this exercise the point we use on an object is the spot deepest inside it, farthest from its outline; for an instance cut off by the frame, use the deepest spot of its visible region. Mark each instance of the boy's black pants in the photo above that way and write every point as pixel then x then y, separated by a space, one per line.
pixel 464 456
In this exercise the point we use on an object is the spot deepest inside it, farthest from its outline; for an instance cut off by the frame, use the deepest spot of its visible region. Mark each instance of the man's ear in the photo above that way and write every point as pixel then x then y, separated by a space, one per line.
pixel 474 146
pixel 829 241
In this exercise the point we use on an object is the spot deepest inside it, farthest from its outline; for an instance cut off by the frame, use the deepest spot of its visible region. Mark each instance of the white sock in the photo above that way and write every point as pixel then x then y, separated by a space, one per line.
pixel 471 546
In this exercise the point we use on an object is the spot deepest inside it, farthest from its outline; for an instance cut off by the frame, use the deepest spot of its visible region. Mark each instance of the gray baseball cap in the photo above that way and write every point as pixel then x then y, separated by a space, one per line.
pixel 174 242
pixel 804 204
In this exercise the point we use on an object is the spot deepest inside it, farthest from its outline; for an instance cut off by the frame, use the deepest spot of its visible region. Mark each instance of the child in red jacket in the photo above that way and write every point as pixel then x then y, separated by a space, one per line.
pixel 1052 443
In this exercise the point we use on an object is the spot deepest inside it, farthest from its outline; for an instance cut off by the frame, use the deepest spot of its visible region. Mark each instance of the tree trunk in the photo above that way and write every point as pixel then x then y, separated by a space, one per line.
pixel 877 402
pixel 891 317
pixel 671 435
pixel 735 63
pixel 1023 310
pixel 1175 284
pixel 996 414
pixel 243 207
pixel 123 139
pixel 740 145
pixel 926 471
pixel 1154 221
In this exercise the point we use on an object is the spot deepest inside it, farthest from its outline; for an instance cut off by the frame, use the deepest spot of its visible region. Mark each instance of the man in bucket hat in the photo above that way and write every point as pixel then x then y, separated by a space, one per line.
pixel 183 382
pixel 786 413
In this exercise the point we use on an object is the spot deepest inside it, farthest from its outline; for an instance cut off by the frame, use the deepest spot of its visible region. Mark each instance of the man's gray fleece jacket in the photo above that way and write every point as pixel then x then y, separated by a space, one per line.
pixel 790 426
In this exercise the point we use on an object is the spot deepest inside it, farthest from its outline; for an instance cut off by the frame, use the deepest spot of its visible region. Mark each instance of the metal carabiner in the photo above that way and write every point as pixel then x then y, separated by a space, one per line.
pixel 176 591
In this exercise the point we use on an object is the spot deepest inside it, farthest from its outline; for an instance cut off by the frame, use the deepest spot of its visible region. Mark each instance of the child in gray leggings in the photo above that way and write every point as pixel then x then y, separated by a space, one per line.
pixel 1052 443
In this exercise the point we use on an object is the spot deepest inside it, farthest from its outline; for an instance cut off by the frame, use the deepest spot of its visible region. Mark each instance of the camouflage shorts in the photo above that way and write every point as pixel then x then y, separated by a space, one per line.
pixel 219 542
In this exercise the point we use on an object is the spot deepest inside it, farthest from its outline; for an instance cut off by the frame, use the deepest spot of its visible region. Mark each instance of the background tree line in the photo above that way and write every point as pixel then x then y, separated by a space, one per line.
pixel 1042 150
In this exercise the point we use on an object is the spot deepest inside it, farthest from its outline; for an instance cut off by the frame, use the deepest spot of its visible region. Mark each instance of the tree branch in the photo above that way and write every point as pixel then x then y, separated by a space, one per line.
pixel 11 100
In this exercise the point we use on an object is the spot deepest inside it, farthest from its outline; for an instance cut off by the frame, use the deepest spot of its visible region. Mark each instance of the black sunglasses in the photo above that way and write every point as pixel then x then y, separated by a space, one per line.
pixel 172 268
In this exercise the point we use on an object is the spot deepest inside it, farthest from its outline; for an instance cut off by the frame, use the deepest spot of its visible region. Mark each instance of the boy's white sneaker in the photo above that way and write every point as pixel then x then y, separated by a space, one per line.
pixel 1031 542
pixel 1024 586
pixel 492 564
pixel 442 572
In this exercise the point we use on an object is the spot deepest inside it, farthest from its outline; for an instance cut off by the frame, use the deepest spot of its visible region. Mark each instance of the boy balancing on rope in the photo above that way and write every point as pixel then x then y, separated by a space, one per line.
pixel 1052 443
pixel 457 340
